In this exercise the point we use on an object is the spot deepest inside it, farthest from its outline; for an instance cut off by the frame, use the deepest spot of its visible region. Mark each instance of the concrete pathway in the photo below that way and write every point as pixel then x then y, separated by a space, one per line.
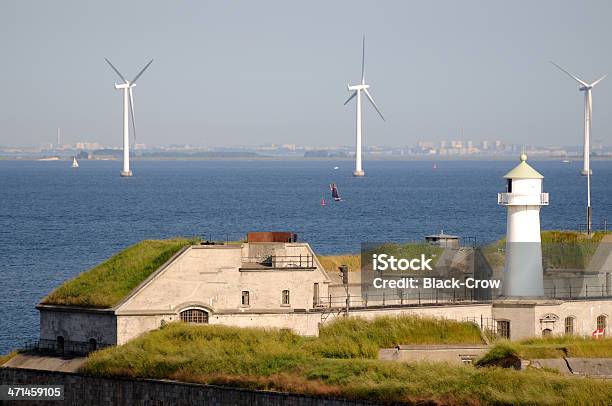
pixel 45 363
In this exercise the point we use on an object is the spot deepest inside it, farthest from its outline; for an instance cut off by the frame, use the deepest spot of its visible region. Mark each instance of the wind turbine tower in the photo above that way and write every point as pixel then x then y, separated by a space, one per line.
pixel 588 114
pixel 357 89
pixel 128 105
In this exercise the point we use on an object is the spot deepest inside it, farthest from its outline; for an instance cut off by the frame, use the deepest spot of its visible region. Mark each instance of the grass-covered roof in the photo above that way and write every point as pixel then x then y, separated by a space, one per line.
pixel 560 249
pixel 107 284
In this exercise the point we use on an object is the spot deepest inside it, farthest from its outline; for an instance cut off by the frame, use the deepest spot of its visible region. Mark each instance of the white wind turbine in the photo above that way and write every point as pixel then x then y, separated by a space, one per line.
pixel 128 105
pixel 588 115
pixel 357 89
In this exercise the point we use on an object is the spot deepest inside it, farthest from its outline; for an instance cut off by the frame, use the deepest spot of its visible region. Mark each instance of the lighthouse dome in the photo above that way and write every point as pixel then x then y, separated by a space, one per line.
pixel 523 171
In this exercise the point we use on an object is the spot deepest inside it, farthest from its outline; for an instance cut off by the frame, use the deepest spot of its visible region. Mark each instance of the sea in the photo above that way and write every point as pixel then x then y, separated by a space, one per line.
pixel 56 221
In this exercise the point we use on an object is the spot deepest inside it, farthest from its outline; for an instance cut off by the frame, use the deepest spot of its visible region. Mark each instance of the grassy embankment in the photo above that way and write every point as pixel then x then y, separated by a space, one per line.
pixel 106 284
pixel 410 250
pixel 552 347
pixel 338 363
pixel 560 249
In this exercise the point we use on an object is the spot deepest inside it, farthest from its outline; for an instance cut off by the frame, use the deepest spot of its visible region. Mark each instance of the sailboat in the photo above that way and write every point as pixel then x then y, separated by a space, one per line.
pixel 323 200
pixel 335 193
pixel 75 164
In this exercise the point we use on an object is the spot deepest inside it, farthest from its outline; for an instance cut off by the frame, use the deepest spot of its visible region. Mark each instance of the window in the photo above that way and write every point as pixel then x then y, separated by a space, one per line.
pixel 60 343
pixel 315 296
pixel 509 186
pixel 569 326
pixel 197 316
pixel 245 298
pixel 285 298
pixel 602 323
pixel 93 345
pixel 503 328
pixel 546 332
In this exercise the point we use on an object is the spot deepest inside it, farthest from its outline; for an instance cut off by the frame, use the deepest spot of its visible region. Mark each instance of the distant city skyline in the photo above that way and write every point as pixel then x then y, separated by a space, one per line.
pixel 454 149
pixel 231 74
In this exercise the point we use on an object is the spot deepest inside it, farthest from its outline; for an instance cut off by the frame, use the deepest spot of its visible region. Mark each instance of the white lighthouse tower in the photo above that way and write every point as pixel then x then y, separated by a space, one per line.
pixel 523 275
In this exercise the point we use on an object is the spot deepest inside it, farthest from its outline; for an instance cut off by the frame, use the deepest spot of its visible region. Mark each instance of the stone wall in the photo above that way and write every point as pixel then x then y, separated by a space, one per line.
pixel 85 390
pixel 78 325
pixel 303 323
pixel 530 318
pixel 451 354
pixel 214 277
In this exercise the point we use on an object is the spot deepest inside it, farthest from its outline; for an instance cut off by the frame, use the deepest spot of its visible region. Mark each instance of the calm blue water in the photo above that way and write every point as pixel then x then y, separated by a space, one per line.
pixel 56 222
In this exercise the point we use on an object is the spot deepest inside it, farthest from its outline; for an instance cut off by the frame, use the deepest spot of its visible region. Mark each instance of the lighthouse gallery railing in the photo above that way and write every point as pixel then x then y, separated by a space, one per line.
pixel 540 199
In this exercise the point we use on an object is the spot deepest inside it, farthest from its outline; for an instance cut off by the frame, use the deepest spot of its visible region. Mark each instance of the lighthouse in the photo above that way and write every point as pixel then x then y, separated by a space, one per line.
pixel 523 275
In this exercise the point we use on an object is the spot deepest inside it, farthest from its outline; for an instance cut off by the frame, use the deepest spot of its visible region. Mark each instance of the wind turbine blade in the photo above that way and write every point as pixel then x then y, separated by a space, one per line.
pixel 363 61
pixel 115 69
pixel 373 103
pixel 570 75
pixel 132 111
pixel 599 80
pixel 351 98
pixel 142 71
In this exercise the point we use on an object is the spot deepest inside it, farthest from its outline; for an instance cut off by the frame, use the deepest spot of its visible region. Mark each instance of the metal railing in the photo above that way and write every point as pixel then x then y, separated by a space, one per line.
pixel 418 298
pixel 487 325
pixel 586 291
pixel 522 199
pixel 449 296
pixel 279 261
pixel 604 225
pixel 63 349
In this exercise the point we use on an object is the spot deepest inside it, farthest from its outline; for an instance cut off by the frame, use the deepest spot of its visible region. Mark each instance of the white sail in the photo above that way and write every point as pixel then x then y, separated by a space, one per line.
pixel 75 164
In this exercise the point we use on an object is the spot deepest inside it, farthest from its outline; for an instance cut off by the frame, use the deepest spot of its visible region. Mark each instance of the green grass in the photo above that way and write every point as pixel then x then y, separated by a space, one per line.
pixel 501 351
pixel 281 360
pixel 560 249
pixel 331 262
pixel 357 338
pixel 550 347
pixel 410 250
pixel 569 249
pixel 569 346
pixel 106 284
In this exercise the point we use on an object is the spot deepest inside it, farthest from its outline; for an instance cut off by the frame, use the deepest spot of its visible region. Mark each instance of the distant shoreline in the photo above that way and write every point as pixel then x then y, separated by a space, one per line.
pixel 572 159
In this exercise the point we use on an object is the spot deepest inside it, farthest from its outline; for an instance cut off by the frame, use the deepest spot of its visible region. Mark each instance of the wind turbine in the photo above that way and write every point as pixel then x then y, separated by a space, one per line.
pixel 128 105
pixel 357 89
pixel 588 115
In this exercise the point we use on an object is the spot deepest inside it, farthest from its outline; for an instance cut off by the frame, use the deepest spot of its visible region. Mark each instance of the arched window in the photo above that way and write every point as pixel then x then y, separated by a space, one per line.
pixel 285 298
pixel 602 323
pixel 546 332
pixel 569 326
pixel 197 316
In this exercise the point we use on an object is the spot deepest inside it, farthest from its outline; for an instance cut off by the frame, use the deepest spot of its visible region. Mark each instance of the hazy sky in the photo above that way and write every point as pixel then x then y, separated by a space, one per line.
pixel 253 72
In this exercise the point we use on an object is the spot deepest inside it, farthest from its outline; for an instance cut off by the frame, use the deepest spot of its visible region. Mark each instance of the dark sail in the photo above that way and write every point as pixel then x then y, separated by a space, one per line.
pixel 335 193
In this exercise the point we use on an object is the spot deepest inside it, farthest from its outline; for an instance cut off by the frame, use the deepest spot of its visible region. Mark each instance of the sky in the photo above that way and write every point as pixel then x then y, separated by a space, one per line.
pixel 230 73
